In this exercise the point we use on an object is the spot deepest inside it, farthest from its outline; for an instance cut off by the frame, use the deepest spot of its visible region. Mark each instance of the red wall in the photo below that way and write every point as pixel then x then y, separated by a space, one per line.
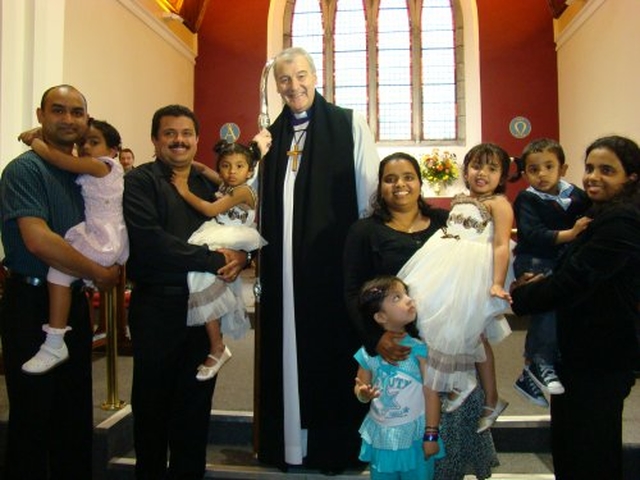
pixel 517 66
pixel 232 50
pixel 518 72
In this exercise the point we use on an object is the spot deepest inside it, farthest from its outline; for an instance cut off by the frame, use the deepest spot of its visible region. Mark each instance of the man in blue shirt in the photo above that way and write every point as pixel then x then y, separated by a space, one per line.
pixel 51 416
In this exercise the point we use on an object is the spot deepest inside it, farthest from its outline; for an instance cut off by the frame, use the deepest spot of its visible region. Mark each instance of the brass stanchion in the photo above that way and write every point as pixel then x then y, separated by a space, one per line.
pixel 111 308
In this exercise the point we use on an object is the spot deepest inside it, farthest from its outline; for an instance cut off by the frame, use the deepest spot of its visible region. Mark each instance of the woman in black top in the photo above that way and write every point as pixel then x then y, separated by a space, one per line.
pixel 595 294
pixel 381 244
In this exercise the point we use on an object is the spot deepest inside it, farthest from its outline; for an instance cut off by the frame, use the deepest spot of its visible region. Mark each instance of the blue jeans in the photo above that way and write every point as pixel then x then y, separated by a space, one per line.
pixel 541 344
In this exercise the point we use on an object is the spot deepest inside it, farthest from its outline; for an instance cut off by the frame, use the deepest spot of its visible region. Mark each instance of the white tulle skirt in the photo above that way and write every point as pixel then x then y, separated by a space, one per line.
pixel 211 298
pixel 449 279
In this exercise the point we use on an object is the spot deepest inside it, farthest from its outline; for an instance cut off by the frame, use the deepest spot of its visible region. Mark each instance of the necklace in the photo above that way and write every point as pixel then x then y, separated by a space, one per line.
pixel 407 228
pixel 299 137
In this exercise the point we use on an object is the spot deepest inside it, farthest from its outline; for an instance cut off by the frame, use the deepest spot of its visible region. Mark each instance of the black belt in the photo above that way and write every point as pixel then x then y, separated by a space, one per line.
pixel 26 279
pixel 161 289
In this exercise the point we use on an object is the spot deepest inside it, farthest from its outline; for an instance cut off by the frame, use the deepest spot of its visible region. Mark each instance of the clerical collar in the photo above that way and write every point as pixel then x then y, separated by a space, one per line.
pixel 300 118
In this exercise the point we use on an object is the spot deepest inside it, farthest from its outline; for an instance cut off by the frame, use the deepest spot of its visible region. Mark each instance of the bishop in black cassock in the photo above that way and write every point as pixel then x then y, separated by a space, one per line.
pixel 318 178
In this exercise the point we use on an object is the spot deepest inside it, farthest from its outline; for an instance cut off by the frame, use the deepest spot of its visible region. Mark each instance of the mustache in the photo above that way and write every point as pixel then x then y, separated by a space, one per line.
pixel 178 145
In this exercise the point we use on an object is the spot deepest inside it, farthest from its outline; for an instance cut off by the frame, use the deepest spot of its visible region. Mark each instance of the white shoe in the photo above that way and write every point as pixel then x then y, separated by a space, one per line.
pixel 207 373
pixel 485 423
pixel 45 359
pixel 456 397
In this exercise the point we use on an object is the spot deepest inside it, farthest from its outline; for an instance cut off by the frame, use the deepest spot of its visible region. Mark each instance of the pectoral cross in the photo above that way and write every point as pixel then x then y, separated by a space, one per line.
pixel 295 153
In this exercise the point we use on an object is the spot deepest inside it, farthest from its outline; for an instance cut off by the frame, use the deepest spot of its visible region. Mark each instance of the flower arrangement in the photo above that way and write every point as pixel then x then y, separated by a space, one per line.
pixel 439 168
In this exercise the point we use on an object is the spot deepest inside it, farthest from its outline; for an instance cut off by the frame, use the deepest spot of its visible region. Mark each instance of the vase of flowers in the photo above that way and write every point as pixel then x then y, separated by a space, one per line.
pixel 439 169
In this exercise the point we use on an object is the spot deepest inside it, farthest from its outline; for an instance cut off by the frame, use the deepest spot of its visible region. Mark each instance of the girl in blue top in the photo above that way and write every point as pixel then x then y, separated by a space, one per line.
pixel 397 441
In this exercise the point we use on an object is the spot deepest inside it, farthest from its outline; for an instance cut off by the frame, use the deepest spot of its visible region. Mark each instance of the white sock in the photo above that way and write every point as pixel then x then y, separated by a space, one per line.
pixel 55 336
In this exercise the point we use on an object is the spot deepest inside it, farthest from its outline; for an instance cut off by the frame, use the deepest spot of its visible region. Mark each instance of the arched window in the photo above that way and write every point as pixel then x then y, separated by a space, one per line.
pixel 393 60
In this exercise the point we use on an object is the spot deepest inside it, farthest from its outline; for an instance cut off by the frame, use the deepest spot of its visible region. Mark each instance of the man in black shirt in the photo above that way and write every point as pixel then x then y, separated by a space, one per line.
pixel 170 407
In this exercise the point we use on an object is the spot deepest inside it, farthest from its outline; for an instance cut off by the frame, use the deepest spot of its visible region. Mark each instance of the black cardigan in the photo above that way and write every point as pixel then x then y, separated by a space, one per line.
pixel 538 221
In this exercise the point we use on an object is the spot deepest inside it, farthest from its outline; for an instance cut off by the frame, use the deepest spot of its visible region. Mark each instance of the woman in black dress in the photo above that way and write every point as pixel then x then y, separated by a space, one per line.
pixel 595 291
pixel 380 244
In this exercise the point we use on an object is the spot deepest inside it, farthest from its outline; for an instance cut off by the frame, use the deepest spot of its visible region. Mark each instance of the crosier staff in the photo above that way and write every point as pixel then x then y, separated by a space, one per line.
pixel 263 122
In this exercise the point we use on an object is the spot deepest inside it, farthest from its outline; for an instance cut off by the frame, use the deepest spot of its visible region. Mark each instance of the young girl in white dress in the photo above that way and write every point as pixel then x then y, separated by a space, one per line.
pixel 400 434
pixel 102 237
pixel 218 305
pixel 460 279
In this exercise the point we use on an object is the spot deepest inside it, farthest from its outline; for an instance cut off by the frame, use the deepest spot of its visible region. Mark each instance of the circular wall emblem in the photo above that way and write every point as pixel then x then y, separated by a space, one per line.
pixel 520 127
pixel 230 132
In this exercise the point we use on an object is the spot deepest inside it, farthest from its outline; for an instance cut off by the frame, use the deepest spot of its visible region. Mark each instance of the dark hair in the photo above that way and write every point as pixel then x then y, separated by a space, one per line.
pixel 484 153
pixel 109 132
pixel 172 111
pixel 223 149
pixel 128 150
pixel 43 100
pixel 628 153
pixel 372 295
pixel 537 146
pixel 379 206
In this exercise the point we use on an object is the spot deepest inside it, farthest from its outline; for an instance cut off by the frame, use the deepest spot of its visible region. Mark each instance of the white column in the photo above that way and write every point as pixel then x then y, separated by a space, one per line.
pixel 31 60
pixel 31 54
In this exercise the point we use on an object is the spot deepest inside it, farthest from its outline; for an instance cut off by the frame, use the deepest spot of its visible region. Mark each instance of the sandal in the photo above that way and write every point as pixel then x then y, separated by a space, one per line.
pixel 487 422
pixel 207 373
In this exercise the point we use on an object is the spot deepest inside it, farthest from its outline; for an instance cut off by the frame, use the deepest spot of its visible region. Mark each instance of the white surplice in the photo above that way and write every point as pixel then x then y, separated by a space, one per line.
pixel 366 175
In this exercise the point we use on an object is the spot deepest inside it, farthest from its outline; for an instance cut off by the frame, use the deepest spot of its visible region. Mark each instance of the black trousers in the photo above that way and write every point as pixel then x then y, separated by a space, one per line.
pixel 51 415
pixel 586 424
pixel 171 409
